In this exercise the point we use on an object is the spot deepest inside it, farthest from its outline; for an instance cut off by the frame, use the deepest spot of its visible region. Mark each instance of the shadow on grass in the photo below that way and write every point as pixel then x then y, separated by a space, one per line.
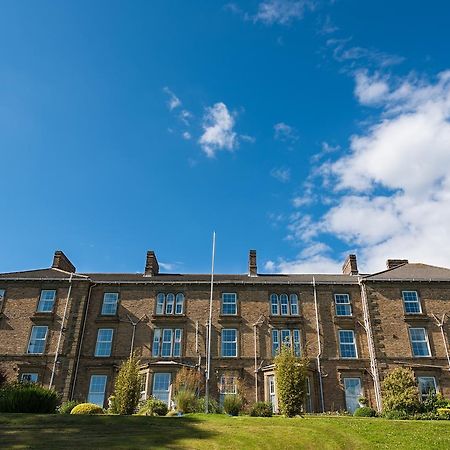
pixel 67 431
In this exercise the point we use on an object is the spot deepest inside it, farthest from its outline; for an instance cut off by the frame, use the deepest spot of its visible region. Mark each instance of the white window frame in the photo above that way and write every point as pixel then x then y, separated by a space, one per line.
pixel 227 386
pixel 424 395
pixel 170 304
pixel 156 347
pixel 347 344
pixel 426 340
pixel 2 299
pixel 91 397
pixel 160 304
pixel 32 377
pixel 282 304
pixel 274 302
pixel 166 332
pixel 103 341
pixel 179 303
pixel 232 301
pixel 44 301
pixel 406 301
pixel 293 301
pixel 342 303
pixel 33 340
pixel 156 393
pixel 110 299
pixel 175 342
pixel 275 342
pixel 234 341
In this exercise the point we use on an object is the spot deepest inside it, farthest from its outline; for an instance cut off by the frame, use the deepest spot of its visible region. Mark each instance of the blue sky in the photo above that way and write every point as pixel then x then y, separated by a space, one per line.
pixel 303 129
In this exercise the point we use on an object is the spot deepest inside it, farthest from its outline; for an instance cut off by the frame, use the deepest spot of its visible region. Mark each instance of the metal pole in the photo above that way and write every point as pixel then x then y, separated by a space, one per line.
pixel 208 359
pixel 319 347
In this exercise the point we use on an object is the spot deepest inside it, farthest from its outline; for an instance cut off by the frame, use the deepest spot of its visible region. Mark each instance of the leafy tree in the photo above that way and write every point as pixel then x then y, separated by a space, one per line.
pixel 127 388
pixel 290 373
pixel 400 392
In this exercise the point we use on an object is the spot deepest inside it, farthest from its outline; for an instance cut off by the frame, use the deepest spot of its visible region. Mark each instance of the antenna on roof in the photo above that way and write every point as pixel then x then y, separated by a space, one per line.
pixel 208 353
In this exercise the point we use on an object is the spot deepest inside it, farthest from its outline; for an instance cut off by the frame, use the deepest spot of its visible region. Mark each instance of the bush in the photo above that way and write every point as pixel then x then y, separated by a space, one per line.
pixel 261 409
pixel 396 415
pixel 232 404
pixel 172 413
pixel 27 398
pixel 3 377
pixel 444 413
pixel 400 391
pixel 127 388
pixel 153 407
pixel 186 401
pixel 187 380
pixel 87 409
pixel 365 411
pixel 67 407
pixel 290 372
pixel 363 401
pixel 433 402
pixel 213 406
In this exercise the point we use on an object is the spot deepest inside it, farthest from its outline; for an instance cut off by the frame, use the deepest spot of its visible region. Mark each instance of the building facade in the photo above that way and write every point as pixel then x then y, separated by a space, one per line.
pixel 71 330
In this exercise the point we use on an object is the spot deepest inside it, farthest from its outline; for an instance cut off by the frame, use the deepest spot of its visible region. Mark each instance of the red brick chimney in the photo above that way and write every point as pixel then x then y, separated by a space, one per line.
pixel 62 262
pixel 391 263
pixel 350 266
pixel 151 264
pixel 252 266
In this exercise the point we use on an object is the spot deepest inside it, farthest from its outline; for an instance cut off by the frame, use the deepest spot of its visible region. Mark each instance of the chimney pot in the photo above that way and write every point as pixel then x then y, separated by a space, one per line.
pixel 62 262
pixel 252 265
pixel 350 266
pixel 151 264
pixel 391 263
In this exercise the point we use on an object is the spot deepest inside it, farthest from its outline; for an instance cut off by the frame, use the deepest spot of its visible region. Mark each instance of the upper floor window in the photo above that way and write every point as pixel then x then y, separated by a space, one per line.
pixel 229 304
pixel 427 386
pixel 167 342
pixel 286 337
pixel 29 377
pixel 419 342
pixel 169 303
pixel 97 388
pixel 2 299
pixel 36 344
pixel 411 302
pixel 104 342
pixel 343 306
pixel 284 304
pixel 46 300
pixel 110 302
pixel 347 344
pixel 229 342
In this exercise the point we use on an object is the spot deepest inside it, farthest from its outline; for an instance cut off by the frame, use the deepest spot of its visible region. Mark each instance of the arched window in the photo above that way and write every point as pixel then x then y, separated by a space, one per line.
pixel 160 303
pixel 284 305
pixel 274 307
pixel 179 304
pixel 294 304
pixel 170 300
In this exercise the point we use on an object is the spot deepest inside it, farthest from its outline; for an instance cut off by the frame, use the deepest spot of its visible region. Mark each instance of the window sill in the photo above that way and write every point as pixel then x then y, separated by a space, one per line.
pixel 43 316
pixel 177 318
pixel 105 318
pixel 416 317
pixel 344 319
pixel 285 319
pixel 224 318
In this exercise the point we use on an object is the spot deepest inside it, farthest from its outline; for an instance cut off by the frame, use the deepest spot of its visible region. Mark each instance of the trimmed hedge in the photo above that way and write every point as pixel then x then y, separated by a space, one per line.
pixel 27 398
pixel 88 409
pixel 364 411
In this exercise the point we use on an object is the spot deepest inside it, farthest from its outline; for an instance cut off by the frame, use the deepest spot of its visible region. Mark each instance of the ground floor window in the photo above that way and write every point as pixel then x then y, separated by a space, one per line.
pixel 161 387
pixel 272 393
pixel 97 389
pixel 143 381
pixel 353 391
pixel 427 386
pixel 29 377
pixel 227 386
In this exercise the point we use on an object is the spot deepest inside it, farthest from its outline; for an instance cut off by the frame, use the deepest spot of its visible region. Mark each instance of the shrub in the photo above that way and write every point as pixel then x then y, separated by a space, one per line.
pixel 444 412
pixel 290 372
pixel 127 388
pixel 400 391
pixel 153 407
pixel 363 401
pixel 213 406
pixel 87 409
pixel 232 404
pixel 433 402
pixel 187 380
pixel 27 398
pixel 186 401
pixel 396 415
pixel 364 411
pixel 172 413
pixel 67 407
pixel 261 409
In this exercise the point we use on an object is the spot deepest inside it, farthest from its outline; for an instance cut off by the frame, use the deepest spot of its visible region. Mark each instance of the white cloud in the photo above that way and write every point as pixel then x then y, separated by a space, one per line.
pixel 370 90
pixel 218 130
pixel 281 174
pixel 185 116
pixel 285 133
pixel 282 12
pixel 167 266
pixel 186 135
pixel 174 101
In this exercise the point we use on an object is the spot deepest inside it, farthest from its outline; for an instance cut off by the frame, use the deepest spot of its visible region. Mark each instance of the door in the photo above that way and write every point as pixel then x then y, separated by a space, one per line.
pixel 272 397
pixel 161 387
pixel 352 393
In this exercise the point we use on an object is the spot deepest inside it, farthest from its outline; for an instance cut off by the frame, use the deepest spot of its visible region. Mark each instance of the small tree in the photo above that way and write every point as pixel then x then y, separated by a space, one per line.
pixel 127 388
pixel 291 373
pixel 400 392
pixel 188 380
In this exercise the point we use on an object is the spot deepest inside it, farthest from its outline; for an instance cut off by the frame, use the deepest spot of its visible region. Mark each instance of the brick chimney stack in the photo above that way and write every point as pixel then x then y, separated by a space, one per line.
pixel 62 262
pixel 391 263
pixel 151 264
pixel 350 266
pixel 252 266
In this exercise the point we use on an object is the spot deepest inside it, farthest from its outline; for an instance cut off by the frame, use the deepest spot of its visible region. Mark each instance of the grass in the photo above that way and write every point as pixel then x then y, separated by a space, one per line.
pixel 199 431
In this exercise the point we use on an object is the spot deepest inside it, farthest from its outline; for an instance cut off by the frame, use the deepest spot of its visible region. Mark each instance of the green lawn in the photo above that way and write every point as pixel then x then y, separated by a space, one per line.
pixel 218 432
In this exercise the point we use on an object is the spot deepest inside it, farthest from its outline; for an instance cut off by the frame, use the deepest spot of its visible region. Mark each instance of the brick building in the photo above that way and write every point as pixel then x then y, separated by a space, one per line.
pixel 72 330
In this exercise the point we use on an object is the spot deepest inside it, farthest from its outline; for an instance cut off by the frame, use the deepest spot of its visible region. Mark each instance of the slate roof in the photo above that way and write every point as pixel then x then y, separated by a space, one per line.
pixel 412 271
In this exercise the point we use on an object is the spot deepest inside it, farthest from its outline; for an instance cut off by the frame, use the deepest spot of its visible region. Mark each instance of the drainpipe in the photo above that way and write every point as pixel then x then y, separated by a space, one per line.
pixel 63 320
pixel 371 345
pixel 259 322
pixel 319 347
pixel 440 324
pixel 81 340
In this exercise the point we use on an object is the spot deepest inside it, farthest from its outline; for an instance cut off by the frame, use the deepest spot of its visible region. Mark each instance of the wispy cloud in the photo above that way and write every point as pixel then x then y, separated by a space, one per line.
pixel 218 130
pixel 173 101
pixel 282 174
pixel 285 132
pixel 186 135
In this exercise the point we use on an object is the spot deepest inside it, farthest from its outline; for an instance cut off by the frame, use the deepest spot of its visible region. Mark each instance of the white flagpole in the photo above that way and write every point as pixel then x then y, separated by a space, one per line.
pixel 208 355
